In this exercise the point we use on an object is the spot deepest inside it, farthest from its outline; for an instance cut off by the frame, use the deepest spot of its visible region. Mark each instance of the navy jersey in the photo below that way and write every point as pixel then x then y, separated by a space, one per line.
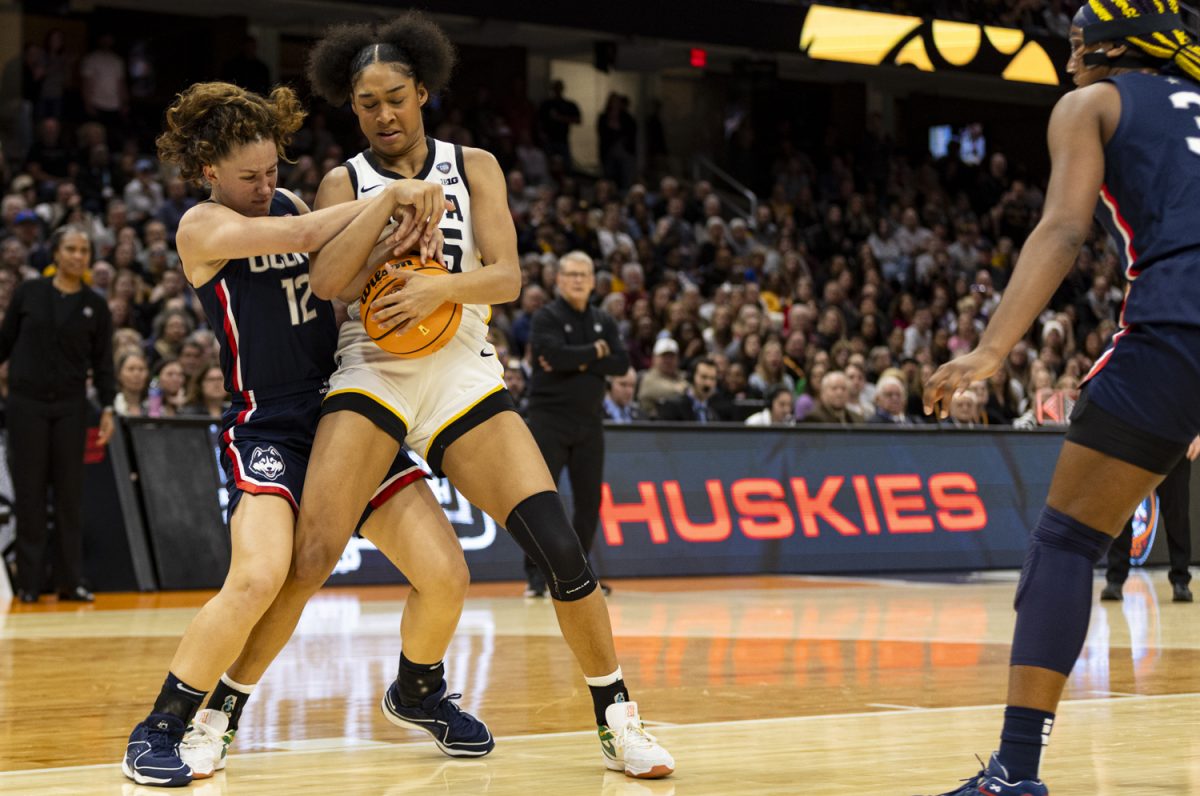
pixel 276 337
pixel 1150 196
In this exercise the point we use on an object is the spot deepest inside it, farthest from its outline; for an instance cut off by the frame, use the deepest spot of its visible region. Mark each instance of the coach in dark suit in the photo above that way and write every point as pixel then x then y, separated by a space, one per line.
pixel 575 346
pixel 695 405
pixel 56 330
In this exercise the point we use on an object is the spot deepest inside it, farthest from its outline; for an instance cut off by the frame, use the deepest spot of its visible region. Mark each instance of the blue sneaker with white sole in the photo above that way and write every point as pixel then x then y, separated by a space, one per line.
pixel 152 756
pixel 456 732
pixel 993 781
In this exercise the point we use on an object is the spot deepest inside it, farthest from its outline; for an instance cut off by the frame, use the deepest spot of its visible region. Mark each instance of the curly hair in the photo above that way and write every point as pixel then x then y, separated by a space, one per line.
pixel 209 120
pixel 412 41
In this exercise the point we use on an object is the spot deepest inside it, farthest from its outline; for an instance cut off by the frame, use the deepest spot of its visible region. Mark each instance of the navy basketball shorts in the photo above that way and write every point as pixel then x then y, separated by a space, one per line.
pixel 1144 388
pixel 265 445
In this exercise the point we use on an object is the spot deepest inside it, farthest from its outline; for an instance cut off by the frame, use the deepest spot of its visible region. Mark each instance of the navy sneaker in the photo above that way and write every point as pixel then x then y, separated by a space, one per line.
pixel 993 781
pixel 456 732
pixel 152 756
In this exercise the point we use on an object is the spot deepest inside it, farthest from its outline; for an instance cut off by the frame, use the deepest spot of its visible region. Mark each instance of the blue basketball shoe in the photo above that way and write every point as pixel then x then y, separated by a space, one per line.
pixel 152 756
pixel 993 781
pixel 456 732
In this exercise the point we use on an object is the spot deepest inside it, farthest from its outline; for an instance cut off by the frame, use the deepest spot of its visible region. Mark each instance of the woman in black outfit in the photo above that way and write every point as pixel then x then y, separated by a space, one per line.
pixel 56 330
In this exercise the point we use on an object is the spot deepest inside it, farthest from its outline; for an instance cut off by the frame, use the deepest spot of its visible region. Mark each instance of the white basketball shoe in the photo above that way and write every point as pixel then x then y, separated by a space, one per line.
pixel 628 747
pixel 206 743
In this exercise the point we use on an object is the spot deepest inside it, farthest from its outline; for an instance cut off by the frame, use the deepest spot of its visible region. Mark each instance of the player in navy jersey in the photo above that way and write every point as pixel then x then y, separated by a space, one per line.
pixel 1125 146
pixel 245 250
pixel 451 406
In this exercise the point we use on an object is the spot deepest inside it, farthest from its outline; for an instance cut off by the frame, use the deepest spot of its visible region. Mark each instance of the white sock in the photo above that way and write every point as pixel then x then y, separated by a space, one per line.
pixel 235 685
pixel 607 679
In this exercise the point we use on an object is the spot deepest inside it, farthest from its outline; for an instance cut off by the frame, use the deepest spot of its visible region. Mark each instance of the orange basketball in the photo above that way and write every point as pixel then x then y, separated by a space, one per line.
pixel 419 339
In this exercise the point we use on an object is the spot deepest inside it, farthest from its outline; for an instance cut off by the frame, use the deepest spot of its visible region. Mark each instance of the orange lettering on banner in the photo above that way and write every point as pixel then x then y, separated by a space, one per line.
pixel 862 490
pixel 782 523
pixel 893 504
pixel 962 509
pixel 715 531
pixel 647 511
pixel 821 505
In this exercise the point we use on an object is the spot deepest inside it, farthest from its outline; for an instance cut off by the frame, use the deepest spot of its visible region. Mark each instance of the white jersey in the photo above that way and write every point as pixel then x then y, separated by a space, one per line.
pixel 418 400
pixel 443 166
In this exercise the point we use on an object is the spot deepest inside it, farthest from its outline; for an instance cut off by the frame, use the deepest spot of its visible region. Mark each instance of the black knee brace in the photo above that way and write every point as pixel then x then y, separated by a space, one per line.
pixel 540 526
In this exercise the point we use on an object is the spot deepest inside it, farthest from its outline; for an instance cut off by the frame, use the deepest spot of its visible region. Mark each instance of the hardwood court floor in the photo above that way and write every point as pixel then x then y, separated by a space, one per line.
pixel 768 685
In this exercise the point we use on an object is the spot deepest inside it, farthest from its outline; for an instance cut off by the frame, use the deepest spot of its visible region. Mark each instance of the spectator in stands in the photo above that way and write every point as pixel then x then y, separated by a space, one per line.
pixel 769 371
pixel 144 194
pixel 778 411
pixel 663 379
pixel 206 395
pixel 54 332
pixel 133 376
pixel 533 298
pixel 171 328
pixel 176 203
pixel 556 115
pixel 105 87
pixel 964 410
pixel 170 385
pixel 247 70
pixel 860 400
pixel 619 406
pixel 517 384
pixel 833 404
pixel 693 405
pixel 891 397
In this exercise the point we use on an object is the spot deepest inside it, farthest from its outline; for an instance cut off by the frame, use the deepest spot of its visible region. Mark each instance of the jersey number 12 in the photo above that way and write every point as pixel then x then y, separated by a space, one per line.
pixel 299 299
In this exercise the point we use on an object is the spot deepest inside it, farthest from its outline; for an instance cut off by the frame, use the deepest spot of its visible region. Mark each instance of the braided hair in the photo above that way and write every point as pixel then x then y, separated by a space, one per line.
pixel 412 43
pixel 1167 43
pixel 209 120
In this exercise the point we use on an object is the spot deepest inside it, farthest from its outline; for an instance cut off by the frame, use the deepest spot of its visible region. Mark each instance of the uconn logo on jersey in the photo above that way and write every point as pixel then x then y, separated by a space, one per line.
pixel 267 463
pixel 278 262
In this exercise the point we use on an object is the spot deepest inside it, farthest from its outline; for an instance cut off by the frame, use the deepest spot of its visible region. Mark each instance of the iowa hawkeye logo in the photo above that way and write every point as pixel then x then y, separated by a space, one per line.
pixel 930 45
pixel 267 463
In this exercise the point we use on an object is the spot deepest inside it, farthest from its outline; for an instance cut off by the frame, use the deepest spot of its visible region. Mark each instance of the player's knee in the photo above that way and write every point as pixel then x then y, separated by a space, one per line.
pixel 251 594
pixel 446 581
pixel 540 526
pixel 312 562
pixel 1057 529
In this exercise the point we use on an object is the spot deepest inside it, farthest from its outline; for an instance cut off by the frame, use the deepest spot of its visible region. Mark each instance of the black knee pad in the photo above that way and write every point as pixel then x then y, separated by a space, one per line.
pixel 540 526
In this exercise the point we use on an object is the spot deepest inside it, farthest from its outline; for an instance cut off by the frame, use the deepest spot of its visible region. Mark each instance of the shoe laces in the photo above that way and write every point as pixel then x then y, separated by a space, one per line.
pixel 163 743
pixel 634 736
pixel 971 782
pixel 459 722
pixel 200 735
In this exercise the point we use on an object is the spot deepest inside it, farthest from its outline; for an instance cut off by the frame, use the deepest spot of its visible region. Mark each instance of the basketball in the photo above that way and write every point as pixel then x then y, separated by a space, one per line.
pixel 420 339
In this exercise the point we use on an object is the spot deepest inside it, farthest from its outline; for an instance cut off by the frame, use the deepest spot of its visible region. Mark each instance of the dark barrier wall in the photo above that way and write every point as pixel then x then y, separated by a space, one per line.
pixel 683 501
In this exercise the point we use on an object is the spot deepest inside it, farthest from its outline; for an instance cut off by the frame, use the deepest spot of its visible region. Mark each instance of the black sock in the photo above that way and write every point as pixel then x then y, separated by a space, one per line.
pixel 418 680
pixel 605 695
pixel 228 700
pixel 1026 733
pixel 178 698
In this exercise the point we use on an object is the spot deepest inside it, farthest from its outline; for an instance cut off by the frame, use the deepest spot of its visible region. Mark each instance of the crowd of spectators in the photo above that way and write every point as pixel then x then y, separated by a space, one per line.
pixel 859 271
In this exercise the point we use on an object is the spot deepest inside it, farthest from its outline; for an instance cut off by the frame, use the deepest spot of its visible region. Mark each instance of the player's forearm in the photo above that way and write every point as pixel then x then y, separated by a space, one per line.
pixel 346 252
pixel 1047 258
pixel 498 283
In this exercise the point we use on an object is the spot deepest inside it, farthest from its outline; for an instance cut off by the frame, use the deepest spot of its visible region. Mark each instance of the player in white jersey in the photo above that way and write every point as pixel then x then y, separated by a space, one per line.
pixel 450 406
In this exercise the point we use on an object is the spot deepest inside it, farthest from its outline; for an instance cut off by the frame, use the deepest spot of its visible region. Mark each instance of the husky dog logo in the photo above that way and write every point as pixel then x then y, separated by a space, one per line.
pixel 443 167
pixel 267 463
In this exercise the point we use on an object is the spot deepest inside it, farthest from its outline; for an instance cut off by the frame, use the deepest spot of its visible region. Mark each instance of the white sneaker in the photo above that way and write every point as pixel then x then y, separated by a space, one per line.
pixel 628 747
pixel 205 743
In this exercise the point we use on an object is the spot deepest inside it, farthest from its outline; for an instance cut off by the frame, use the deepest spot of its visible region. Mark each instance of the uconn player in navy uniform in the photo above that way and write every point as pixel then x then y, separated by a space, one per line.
pixel 1129 136
pixel 451 406
pixel 244 250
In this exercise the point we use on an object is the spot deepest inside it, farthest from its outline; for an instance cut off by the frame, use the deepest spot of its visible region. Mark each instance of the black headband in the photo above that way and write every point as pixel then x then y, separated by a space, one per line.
pixel 1117 29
